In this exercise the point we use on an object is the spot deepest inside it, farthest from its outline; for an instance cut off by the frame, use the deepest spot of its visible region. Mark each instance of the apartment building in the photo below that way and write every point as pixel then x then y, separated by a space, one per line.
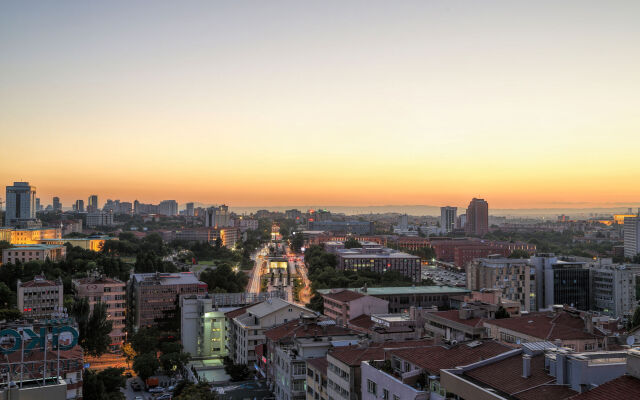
pixel 516 279
pixel 40 298
pixel 247 329
pixel 346 305
pixel 317 379
pixel 155 296
pixel 614 288
pixel 102 289
pixel 290 345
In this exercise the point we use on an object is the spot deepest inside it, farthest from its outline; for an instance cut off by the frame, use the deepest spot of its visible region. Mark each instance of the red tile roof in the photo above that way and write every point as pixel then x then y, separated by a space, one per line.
pixel 363 322
pixel 239 311
pixel 624 387
pixel 454 315
pixel 353 355
pixel 434 358
pixel 296 328
pixel 38 283
pixel 542 326
pixel 319 364
pixel 344 296
pixel 506 376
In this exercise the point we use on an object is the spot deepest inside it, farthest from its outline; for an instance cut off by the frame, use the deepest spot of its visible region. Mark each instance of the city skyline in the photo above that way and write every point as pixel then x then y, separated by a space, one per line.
pixel 528 105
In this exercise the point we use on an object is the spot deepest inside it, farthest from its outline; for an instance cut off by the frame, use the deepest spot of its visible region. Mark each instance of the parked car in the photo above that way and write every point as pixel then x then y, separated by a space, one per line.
pixel 156 390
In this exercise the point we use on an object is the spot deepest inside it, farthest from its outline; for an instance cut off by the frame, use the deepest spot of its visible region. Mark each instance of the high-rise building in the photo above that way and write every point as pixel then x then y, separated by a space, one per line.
pixel 79 205
pixel 20 202
pixel 92 204
pixel 38 206
pixel 190 210
pixel 57 206
pixel 448 218
pixel 168 207
pixel 631 236
pixel 477 217
pixel 217 217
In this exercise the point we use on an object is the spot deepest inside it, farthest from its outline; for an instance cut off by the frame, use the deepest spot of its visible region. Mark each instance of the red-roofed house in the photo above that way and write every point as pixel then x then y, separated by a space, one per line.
pixel 414 374
pixel 290 345
pixel 566 328
pixel 345 305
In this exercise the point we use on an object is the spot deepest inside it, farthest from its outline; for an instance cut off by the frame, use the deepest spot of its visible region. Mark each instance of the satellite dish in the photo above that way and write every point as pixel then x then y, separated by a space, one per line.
pixel 631 340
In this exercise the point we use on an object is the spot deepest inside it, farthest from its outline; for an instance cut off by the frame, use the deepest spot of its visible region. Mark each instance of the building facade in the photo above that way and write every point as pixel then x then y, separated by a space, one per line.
pixel 631 236
pixel 217 217
pixel 20 202
pixel 514 277
pixel 40 298
pixel 448 218
pixel 346 305
pixel 477 220
pixel 155 296
pixel 112 292
pixel 33 252
pixel 168 207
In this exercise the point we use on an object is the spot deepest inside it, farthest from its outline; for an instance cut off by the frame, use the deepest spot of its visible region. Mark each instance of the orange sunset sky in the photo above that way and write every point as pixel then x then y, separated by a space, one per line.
pixel 527 104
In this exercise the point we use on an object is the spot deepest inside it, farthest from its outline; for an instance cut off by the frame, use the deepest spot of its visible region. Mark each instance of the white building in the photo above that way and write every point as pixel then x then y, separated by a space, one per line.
pixel 168 207
pixel 203 327
pixel 631 236
pixel 448 218
pixel 217 217
pixel 247 329
pixel 20 202
pixel 614 287
pixel 99 219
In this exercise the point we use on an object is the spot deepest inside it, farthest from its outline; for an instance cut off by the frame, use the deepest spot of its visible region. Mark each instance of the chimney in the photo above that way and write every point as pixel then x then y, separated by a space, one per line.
pixel 526 366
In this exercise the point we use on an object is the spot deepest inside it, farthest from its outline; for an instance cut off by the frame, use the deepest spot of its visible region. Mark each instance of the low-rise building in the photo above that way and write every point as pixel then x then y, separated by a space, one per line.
pixel 155 296
pixel 93 243
pixel 33 252
pixel 456 325
pixel 290 345
pixel 203 327
pixel 346 305
pixel 387 327
pixel 578 331
pixel 402 298
pixel 376 258
pixel 344 372
pixel 538 370
pixel 248 326
pixel 102 289
pixel 414 373
pixel 40 298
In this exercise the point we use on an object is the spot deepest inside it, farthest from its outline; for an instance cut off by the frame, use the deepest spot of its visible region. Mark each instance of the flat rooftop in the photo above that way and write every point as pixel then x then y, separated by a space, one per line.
pixel 373 291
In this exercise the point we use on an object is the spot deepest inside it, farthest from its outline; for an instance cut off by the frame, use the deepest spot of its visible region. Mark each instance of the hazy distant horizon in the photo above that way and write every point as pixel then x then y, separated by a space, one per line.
pixel 429 210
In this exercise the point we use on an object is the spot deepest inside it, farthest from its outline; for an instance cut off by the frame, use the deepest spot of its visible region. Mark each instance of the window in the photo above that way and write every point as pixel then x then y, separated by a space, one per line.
pixel 385 394
pixel 396 397
pixel 371 386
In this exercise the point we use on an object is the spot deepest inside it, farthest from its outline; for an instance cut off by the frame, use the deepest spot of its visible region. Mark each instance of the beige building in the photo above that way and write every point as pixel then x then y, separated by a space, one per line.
pixel 317 379
pixel 99 288
pixel 512 276
pixel 35 252
pixel 247 329
pixel 40 298
pixel 34 235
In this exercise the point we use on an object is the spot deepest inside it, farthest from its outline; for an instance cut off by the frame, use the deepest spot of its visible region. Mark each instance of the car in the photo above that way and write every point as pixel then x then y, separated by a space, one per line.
pixel 138 398
pixel 157 389
pixel 166 396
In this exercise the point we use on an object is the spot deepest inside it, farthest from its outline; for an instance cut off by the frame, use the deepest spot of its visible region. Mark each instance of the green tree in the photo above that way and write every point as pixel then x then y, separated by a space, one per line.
pixel 237 372
pixel 7 296
pixel 352 243
pixel 10 315
pixel 519 254
pixel 173 363
pixel 190 391
pixel 93 326
pixel 146 365
pixel 145 340
pixel 501 313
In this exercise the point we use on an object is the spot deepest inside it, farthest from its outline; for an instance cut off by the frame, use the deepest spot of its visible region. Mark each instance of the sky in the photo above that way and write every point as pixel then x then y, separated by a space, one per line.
pixel 355 103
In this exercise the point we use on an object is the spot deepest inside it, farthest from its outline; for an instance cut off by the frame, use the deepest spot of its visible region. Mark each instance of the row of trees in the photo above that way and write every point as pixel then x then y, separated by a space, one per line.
pixel 323 274
pixel 151 349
